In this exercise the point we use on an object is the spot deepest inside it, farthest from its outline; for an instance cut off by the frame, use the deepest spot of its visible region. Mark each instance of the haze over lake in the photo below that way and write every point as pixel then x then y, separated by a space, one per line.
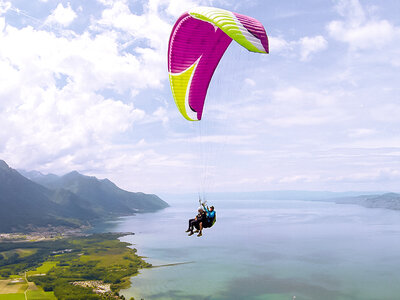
pixel 268 250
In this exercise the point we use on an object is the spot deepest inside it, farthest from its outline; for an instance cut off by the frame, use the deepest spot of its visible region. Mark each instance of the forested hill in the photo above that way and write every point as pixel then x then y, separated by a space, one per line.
pixel 103 194
pixel 70 200
pixel 387 200
pixel 26 204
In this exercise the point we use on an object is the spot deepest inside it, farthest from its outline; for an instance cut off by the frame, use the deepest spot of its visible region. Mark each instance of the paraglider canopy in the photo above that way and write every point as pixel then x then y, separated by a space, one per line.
pixel 198 40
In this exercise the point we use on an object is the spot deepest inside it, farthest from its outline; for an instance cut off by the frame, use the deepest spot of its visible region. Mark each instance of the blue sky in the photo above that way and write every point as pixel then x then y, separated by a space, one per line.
pixel 84 86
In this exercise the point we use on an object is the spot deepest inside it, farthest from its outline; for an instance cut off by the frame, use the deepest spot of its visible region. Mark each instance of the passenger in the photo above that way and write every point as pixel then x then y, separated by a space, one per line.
pixel 195 223
pixel 209 220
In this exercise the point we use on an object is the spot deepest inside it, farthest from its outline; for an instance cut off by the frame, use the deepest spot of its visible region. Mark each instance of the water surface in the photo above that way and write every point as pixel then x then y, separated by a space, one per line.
pixel 268 250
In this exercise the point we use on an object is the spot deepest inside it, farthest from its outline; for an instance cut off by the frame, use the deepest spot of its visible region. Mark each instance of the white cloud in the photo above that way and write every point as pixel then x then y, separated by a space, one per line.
pixel 161 114
pixel 78 58
pixel 298 179
pixel 281 107
pixel 106 2
pixel 223 139
pixel 49 123
pixel 351 9
pixel 4 6
pixel 249 82
pixel 371 35
pixel 378 175
pixel 387 113
pixel 361 132
pixel 311 45
pixel 90 99
pixel 56 115
pixel 279 45
pixel 292 106
pixel 359 30
pixel 62 15
pixel 149 32
pixel 305 46
pixel 2 24
pixel 51 96
pixel 178 7
pixel 251 152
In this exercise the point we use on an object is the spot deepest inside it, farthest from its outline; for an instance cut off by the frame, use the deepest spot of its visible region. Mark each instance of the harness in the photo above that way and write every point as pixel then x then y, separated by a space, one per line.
pixel 212 221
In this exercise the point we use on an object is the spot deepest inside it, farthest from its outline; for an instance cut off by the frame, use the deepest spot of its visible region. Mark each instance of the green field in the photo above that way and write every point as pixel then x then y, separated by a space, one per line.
pixel 50 269
pixel 40 295
pixel 12 296
pixel 9 290
pixel 43 269
pixel 20 252
pixel 26 252
pixel 7 287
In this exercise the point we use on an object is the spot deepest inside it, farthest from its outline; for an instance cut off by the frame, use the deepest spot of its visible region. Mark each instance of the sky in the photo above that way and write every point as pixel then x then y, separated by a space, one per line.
pixel 84 86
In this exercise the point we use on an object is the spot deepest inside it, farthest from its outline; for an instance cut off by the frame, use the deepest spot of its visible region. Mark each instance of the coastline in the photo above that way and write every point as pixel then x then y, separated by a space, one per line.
pixel 105 264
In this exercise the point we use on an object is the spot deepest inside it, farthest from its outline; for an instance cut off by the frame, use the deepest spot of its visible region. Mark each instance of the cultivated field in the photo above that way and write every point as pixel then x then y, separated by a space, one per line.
pixel 8 287
pixel 15 291
pixel 43 269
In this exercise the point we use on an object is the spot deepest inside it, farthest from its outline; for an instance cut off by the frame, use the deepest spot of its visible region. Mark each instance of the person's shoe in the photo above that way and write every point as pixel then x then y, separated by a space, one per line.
pixel 196 231
pixel 187 230
pixel 200 234
pixel 191 233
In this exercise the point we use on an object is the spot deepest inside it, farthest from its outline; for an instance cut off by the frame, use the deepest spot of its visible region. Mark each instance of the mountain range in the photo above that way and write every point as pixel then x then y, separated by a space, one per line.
pixel 387 201
pixel 29 200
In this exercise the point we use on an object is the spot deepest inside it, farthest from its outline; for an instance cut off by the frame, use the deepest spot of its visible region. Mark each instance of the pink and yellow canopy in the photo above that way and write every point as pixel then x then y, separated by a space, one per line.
pixel 198 40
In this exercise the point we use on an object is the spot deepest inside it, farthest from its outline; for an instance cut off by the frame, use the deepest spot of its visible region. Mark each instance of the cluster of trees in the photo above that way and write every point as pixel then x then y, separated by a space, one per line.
pixel 86 259
pixel 15 263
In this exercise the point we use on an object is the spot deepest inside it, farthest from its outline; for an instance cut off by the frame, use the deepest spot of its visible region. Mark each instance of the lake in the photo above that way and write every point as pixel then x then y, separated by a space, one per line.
pixel 267 250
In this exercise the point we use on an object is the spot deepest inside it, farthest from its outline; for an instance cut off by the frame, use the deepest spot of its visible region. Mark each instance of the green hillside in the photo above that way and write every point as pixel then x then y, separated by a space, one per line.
pixel 103 195
pixel 387 201
pixel 71 200
pixel 26 204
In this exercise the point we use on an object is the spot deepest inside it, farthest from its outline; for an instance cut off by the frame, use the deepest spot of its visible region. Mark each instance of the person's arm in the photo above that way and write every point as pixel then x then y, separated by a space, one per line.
pixel 205 208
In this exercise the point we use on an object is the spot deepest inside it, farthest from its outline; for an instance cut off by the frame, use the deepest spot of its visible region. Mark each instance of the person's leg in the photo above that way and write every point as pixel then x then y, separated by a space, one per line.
pixel 201 229
pixel 206 224
pixel 197 226
pixel 190 228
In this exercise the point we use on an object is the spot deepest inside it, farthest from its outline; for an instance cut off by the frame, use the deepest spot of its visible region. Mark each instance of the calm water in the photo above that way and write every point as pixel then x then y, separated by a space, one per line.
pixel 268 250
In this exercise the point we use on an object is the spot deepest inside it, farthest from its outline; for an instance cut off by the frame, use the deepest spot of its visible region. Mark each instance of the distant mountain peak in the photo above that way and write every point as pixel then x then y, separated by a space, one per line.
pixel 69 200
pixel 3 165
pixel 106 180
pixel 30 174
pixel 73 173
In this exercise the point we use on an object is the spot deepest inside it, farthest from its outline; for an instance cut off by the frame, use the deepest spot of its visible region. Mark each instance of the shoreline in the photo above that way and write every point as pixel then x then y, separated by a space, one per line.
pixel 115 262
